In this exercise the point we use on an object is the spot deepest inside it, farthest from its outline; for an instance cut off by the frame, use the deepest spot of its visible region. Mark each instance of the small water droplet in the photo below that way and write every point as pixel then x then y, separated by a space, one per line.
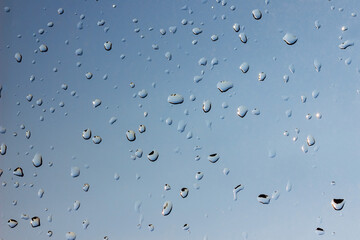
pixel 236 27
pixel 243 37
pixel 223 86
pixel 143 93
pixel 18 57
pixel 142 128
pixel 244 67
pixel 196 31
pixel 199 176
pixel 76 205
pixel 96 139
pixel 18 172
pixel 236 190
pixel 263 198
pixel 108 45
pixel 310 140
pixel 153 156
pixel 70 236
pixel 184 192
pixel 167 208
pixel 242 111
pixel 86 187
pixel 206 106
pixel 3 149
pixel 74 172
pixel 213 158
pixel 37 160
pixel 43 48
pixel 319 231
pixel 151 227
pixel 290 39
pixel 12 223
pixel 261 76
pixel 35 222
pixel 317 65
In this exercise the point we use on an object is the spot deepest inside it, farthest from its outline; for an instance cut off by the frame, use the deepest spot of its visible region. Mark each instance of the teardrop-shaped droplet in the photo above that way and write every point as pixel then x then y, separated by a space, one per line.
pixel 263 198
pixel 213 158
pixel 18 172
pixel 86 134
pixel 153 156
pixel 27 134
pixel 223 86
pixel 206 106
pixel 37 160
pixel 184 192
pixel 310 140
pixel 12 223
pixel 167 208
pixel 242 111
pixel 130 135
pixel 256 14
pixel 338 203
pixel 175 98
pixel 243 37
pixel 290 39
pixel 108 45
pixel 35 222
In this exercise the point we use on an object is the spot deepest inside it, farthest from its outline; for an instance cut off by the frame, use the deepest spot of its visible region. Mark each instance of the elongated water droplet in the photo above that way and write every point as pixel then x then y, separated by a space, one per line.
pixel 317 65
pixel 96 103
pixel 85 224
pixel 290 39
pixel 37 160
pixel 167 208
pixel 206 106
pixel 130 135
pixel 261 76
pixel 223 86
pixel 196 31
pixel 41 193
pixel 346 44
pixel 213 158
pixel 244 67
pixel 236 27
pixel 288 187
pixel 3 149
pixel 175 98
pixel 243 37
pixel 86 134
pixel 139 153
pixel 310 140
pixel 338 203
pixel 142 128
pixel 199 176
pixel 319 231
pixel 76 205
pixel 237 189
pixel 275 195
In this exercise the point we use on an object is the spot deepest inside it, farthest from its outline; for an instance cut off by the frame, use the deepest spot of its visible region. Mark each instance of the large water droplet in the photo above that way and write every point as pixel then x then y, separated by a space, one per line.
pixel 223 86
pixel 96 139
pixel 175 98
pixel 310 140
pixel 206 106
pixel 130 135
pixel 143 93
pixel 243 37
pixel 290 39
pixel 35 222
pixel 256 14
pixel 12 223
pixel 153 156
pixel 242 111
pixel 167 208
pixel 18 172
pixel 37 160
pixel 86 134
pixel 338 203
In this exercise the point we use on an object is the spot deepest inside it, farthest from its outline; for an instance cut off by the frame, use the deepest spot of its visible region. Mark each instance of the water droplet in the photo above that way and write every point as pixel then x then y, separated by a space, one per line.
pixel 151 227
pixel 244 67
pixel 96 139
pixel 153 156
pixel 317 24
pixel 143 93
pixel 96 103
pixel 243 37
pixel 184 192
pixel 202 61
pixel 130 135
pixel 167 187
pixel 18 172
pixel 226 171
pixel 88 75
pixel 35 222
pixel 346 44
pixel 263 198
pixel 60 11
pixel 214 38
pixel 86 134
pixel 3 149
pixel 310 140
pixel 79 52
pixel 242 111
pixel 37 160
pixel 275 195
pixel 319 231
pixel 196 31
pixel 167 208
pixel 236 190
pixel 85 224
pixel 86 187
pixel 49 233
pixel 223 86
pixel 108 45
pixel 29 97
pixel 18 57
pixel 181 126
pixel 142 128
pixel 206 106
pixel 317 65
pixel 112 120
pixel 290 39
pixel 338 203
pixel 256 14
pixel 43 48
pixel 236 27
pixel 12 223
pixel 70 236
pixel 288 187
pixel 199 175
pixel 213 158
pixel 74 172
pixel 139 153
pixel 76 205
pixel 175 99
pixel 261 76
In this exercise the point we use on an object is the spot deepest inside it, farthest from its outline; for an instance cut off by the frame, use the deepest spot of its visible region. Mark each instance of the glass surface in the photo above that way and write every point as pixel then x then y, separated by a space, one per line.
pixel 204 119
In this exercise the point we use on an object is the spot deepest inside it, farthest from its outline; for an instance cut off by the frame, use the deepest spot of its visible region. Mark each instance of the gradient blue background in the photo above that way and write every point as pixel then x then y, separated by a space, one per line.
pixel 243 144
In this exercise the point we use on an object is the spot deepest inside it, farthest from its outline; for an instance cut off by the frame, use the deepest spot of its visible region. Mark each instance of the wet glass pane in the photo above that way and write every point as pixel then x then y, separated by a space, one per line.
pixel 204 119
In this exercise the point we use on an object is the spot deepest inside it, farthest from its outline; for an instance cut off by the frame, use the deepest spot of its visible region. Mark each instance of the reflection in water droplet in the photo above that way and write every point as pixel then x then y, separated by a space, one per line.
pixel 86 134
pixel 167 208
pixel 290 39
pixel 108 45
pixel 223 86
pixel 310 140
pixel 18 57
pixel 236 190
pixel 243 37
pixel 75 172
pixel 338 203
pixel 242 111
pixel 153 156
pixel 37 160
pixel 213 158
pixel 70 236
pixel 12 223
pixel 256 14
pixel 206 106
pixel 18 172
pixel 175 98
pixel 96 139
pixel 35 222
pixel 263 198
pixel 244 67
pixel 130 135
pixel 184 192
